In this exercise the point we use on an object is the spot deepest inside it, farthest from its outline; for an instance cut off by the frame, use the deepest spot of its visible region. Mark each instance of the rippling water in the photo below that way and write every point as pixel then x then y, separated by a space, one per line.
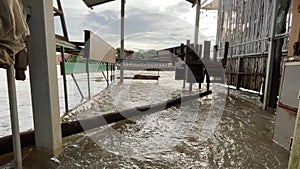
pixel 24 98
pixel 228 129
pixel 184 136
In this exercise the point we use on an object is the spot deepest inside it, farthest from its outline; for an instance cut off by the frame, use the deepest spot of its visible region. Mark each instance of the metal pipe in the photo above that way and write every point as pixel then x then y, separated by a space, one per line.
pixel 289 17
pixel 271 58
pixel 246 43
pixel 111 73
pixel 277 36
pixel 255 54
pixel 14 116
pixel 65 79
pixel 122 40
pixel 107 75
pixel 75 81
pixel 88 76
pixel 282 35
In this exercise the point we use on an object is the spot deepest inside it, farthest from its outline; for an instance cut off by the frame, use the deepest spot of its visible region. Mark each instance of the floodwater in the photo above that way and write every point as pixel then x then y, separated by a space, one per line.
pixel 227 129
pixel 24 98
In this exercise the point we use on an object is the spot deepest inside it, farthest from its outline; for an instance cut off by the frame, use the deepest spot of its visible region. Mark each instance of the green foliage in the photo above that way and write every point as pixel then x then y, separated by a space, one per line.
pixel 80 59
pixel 144 55
pixel 73 58
pixel 150 53
pixel 140 54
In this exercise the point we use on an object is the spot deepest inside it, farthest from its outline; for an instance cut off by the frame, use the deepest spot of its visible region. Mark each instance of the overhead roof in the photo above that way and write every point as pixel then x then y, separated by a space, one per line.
pixel 192 1
pixel 91 3
pixel 211 6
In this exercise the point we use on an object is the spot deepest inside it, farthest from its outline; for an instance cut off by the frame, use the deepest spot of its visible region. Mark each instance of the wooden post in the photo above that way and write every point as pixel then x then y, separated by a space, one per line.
pixel 225 57
pixel 238 76
pixel 182 53
pixel 206 57
pixel 215 53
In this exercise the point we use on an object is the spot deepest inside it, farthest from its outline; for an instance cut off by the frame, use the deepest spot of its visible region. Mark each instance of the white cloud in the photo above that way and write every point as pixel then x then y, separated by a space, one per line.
pixel 149 24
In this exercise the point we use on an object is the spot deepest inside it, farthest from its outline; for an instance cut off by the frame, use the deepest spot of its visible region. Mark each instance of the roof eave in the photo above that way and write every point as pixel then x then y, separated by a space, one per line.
pixel 97 3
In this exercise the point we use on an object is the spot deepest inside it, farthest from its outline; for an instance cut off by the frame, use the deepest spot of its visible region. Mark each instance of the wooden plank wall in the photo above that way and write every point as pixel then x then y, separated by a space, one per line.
pixel 246 72
pixel 246 25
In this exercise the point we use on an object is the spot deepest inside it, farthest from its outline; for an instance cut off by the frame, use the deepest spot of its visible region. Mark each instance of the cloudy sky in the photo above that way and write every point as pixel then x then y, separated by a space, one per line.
pixel 149 24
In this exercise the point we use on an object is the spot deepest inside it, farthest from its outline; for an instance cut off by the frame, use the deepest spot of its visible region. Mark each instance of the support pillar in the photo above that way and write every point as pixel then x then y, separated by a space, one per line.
pixel 206 54
pixel 270 61
pixel 280 11
pixel 122 40
pixel 43 77
pixel 197 22
pixel 14 116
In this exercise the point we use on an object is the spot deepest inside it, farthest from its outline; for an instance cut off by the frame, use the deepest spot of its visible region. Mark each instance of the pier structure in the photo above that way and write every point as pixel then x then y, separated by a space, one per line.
pixel 43 74
pixel 258 34
pixel 264 52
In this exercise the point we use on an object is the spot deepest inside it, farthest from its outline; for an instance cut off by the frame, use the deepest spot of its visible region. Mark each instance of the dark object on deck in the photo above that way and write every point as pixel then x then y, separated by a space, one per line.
pixel 146 77
pixel 182 53
pixel 179 73
pixel 297 46
pixel 74 127
pixel 153 69
pixel 224 60
pixel 195 71
pixel 297 49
